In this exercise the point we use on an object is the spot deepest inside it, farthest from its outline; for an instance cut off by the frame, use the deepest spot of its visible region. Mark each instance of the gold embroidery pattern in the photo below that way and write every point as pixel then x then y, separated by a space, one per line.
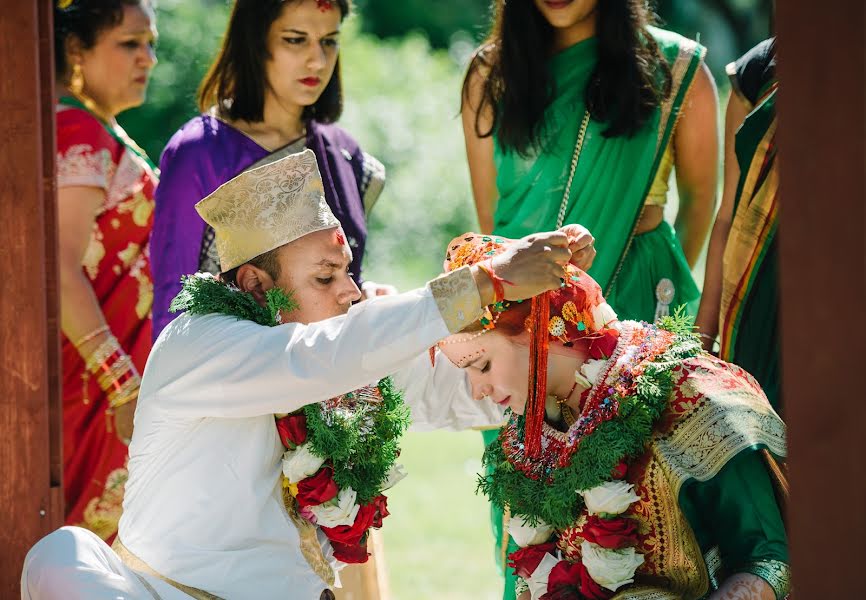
pixel 687 50
pixel 457 298
pixel 728 414
pixel 774 572
pixel 309 541
pixel 102 513
pixel 81 165
pixel 94 254
pixel 145 286
pixel 673 563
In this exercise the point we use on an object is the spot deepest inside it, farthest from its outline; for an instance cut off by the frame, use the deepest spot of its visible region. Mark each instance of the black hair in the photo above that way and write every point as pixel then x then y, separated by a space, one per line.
pixel 236 80
pixel 84 19
pixel 629 80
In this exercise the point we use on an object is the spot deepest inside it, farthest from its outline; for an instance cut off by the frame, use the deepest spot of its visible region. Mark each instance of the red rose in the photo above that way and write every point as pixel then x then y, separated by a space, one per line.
pixel 381 504
pixel 292 430
pixel 351 534
pixel 590 589
pixel 350 553
pixel 614 533
pixel 619 470
pixel 563 581
pixel 317 489
pixel 525 560
pixel 604 346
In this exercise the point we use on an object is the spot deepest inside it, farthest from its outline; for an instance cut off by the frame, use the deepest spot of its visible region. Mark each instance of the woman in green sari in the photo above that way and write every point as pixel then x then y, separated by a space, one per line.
pixel 576 111
pixel 740 301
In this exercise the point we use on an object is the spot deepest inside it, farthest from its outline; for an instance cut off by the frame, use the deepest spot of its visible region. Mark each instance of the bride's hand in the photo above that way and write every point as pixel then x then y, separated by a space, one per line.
pixel 582 245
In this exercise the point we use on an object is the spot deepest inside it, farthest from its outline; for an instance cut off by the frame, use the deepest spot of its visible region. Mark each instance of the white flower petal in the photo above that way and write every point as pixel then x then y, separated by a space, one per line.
pixel 537 582
pixel 340 511
pixel 611 497
pixel 526 535
pixel 592 369
pixel 611 569
pixel 300 463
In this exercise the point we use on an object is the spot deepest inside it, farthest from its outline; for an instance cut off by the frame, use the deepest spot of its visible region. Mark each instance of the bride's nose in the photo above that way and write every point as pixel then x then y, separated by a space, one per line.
pixel 481 391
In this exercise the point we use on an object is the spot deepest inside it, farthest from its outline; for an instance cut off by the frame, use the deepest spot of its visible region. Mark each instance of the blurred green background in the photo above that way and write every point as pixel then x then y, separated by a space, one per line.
pixel 403 63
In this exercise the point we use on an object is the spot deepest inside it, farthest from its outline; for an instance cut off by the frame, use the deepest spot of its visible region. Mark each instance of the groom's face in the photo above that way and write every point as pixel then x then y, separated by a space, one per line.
pixel 315 269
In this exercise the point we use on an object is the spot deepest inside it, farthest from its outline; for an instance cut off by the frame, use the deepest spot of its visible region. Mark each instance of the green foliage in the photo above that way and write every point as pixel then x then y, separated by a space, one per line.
pixel 362 444
pixel 554 499
pixel 206 295
pixel 439 21
pixel 402 105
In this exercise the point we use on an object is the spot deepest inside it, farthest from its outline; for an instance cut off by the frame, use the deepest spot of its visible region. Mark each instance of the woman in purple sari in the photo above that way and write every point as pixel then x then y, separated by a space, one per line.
pixel 274 89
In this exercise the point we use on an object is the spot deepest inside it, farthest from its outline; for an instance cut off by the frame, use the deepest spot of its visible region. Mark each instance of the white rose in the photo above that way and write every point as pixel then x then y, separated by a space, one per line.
pixel 395 475
pixel 611 497
pixel 526 535
pixel 537 582
pixel 603 314
pixel 300 463
pixel 341 510
pixel 592 369
pixel 610 569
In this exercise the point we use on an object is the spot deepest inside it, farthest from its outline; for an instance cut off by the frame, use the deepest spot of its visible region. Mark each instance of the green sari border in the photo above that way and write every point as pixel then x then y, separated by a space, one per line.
pixel 683 70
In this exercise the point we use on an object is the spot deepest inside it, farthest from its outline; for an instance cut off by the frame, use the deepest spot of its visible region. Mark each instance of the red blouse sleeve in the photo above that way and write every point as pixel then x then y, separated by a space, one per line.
pixel 87 154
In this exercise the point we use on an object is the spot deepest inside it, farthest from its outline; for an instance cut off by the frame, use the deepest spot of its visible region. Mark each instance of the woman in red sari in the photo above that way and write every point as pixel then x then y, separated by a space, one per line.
pixel 104 54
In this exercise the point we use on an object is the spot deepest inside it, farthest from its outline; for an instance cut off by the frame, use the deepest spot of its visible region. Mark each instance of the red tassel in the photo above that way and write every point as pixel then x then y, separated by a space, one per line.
pixel 538 348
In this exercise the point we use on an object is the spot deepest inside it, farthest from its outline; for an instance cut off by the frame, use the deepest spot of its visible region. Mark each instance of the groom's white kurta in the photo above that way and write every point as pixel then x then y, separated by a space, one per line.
pixel 203 503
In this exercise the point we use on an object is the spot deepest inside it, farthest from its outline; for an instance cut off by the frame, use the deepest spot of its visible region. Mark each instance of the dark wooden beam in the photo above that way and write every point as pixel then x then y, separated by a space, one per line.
pixel 822 134
pixel 30 411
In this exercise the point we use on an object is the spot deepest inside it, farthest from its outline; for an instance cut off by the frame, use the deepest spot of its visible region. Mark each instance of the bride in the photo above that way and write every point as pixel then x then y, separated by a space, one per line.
pixel 633 464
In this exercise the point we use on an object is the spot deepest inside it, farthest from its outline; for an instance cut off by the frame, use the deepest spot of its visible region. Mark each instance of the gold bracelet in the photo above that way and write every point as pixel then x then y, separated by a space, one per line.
pixel 94 362
pixel 122 365
pixel 127 392
pixel 89 336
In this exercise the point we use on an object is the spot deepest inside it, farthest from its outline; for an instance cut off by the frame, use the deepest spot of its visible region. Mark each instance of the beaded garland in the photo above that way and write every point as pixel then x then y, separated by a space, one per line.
pixel 615 425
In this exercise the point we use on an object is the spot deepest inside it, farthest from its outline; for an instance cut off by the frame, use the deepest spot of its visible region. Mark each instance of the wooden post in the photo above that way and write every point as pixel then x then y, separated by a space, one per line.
pixel 31 499
pixel 822 134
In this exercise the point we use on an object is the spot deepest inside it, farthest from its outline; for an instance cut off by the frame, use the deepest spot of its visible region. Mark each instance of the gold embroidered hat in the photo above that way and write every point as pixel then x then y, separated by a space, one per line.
pixel 267 207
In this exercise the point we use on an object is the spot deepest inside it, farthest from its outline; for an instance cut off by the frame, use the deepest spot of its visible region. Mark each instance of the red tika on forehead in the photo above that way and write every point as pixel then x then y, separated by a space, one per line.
pixel 324 5
pixel 341 239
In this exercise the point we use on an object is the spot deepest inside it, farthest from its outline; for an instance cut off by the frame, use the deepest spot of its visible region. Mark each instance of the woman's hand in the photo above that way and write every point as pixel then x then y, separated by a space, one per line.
pixel 744 586
pixel 123 416
pixel 582 245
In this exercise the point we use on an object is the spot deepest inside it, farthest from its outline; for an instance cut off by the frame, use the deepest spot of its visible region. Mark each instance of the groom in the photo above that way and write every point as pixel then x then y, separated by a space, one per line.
pixel 203 512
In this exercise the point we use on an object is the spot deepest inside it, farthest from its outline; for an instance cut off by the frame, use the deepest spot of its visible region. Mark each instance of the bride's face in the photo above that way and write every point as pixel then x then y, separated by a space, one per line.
pixel 497 366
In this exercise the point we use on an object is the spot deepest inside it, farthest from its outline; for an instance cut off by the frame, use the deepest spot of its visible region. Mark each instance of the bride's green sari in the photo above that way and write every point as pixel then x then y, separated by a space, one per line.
pixel 611 183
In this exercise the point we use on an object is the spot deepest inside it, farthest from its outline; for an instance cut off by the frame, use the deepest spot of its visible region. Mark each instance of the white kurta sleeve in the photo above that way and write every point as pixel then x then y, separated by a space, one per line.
pixel 440 397
pixel 219 366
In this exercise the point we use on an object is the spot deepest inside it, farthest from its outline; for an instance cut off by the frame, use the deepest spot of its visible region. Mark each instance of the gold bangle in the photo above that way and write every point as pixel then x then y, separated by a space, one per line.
pixel 122 365
pixel 94 362
pixel 127 392
pixel 89 336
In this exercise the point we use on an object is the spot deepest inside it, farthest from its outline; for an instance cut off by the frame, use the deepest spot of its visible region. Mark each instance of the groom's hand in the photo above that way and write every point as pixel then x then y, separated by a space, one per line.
pixel 529 266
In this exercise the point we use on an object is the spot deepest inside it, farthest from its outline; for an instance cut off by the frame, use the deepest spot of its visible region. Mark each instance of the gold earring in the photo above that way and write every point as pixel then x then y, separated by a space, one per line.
pixel 76 81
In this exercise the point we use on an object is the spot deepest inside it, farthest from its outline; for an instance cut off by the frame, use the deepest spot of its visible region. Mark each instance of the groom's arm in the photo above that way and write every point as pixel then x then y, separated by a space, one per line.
pixel 440 397
pixel 218 366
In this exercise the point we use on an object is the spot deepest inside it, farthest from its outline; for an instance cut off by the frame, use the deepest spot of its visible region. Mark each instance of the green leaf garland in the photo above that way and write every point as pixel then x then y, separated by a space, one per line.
pixel 362 444
pixel 554 499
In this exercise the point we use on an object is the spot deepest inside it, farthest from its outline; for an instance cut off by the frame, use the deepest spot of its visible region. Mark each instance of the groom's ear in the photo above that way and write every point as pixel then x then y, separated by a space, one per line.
pixel 254 280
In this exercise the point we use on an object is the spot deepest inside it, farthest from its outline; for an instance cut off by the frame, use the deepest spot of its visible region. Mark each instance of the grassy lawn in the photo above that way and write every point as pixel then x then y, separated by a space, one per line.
pixel 437 539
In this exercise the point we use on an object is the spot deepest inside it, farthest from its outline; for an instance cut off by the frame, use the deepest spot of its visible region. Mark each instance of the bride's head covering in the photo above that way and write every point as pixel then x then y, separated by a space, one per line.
pixel 576 313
